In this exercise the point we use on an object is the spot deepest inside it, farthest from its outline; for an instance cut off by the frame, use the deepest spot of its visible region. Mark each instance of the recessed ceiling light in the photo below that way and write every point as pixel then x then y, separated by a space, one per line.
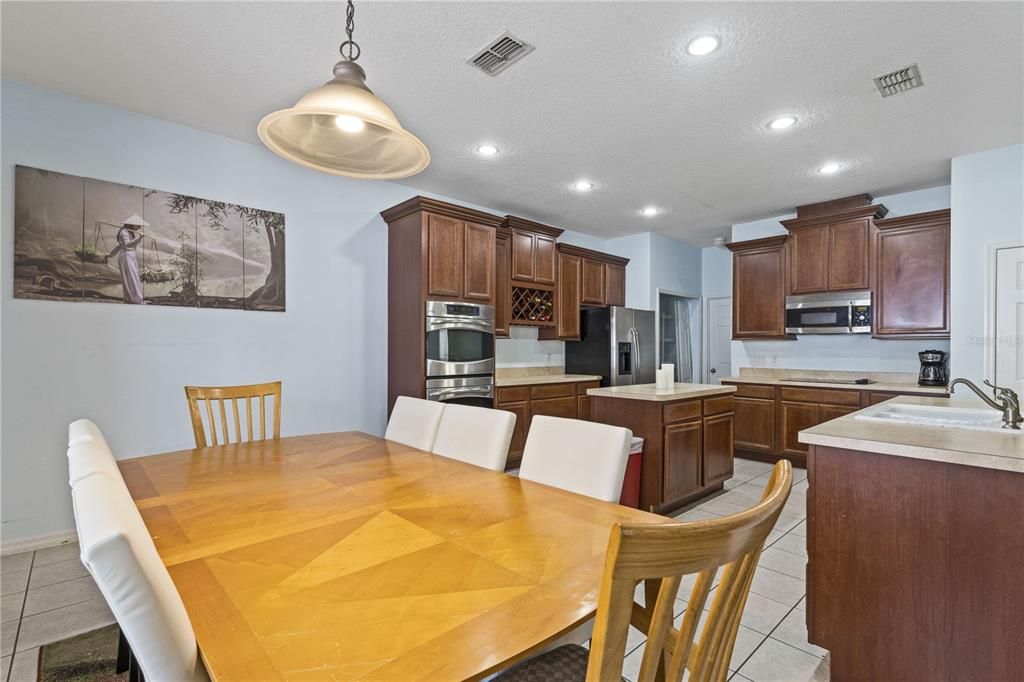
pixel 829 168
pixel 702 45
pixel 487 150
pixel 583 185
pixel 782 122
pixel 649 211
pixel 348 123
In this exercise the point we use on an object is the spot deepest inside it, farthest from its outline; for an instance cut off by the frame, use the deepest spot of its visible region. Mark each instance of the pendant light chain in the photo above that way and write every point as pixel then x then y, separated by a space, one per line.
pixel 350 49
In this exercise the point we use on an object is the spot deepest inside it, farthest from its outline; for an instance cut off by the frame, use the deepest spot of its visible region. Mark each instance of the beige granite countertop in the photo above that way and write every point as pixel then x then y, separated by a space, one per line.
pixel 506 381
pixel 894 382
pixel 652 393
pixel 970 447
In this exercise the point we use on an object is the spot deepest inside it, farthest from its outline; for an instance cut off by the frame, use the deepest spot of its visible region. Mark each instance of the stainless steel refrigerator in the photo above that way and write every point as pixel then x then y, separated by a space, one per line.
pixel 617 343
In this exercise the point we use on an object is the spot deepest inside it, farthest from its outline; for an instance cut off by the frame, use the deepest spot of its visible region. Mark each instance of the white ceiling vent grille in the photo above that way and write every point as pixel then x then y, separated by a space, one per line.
pixel 500 54
pixel 900 80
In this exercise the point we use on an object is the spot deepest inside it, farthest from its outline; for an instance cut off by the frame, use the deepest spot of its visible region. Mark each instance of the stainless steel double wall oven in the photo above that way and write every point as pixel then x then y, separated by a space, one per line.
pixel 460 352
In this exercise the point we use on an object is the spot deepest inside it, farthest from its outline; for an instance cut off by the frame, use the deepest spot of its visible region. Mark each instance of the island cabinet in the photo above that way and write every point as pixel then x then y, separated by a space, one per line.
pixel 912 276
pixel 688 444
pixel 913 568
pixel 566 399
pixel 436 251
pixel 830 245
pixel 759 288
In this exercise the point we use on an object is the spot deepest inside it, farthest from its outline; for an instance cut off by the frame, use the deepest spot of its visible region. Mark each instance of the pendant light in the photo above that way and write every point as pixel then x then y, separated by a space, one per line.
pixel 343 128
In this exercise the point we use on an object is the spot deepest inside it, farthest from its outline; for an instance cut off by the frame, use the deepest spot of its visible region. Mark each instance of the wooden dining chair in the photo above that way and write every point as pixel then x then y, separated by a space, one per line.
pixel 662 554
pixel 233 394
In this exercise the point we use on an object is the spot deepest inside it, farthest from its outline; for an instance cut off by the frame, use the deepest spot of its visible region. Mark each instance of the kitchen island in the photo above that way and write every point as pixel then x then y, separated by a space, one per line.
pixel 688 437
pixel 914 538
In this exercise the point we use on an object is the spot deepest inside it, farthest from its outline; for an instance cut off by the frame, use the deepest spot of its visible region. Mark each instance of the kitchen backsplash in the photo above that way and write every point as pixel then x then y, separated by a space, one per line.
pixel 524 349
pixel 857 352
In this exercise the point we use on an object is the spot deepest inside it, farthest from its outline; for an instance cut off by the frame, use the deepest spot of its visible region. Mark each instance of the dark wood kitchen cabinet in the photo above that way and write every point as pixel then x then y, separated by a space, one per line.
pixel 568 293
pixel 592 290
pixel 755 423
pixel 436 250
pixel 615 283
pixel 534 258
pixel 759 288
pixel 586 278
pixel 460 259
pixel 912 276
pixel 717 444
pixel 682 450
pixel 502 282
pixel 794 418
pixel 769 417
pixel 830 245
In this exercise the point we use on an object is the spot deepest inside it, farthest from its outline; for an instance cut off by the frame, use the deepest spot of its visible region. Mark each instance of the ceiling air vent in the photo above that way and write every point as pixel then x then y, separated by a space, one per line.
pixel 895 82
pixel 502 52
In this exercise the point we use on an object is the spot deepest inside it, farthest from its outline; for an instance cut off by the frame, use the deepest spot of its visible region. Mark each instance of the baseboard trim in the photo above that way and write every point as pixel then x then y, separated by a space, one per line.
pixel 41 542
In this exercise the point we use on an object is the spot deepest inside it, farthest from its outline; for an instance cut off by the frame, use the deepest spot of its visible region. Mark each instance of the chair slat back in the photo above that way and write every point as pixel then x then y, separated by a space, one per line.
pixel 216 412
pixel 666 553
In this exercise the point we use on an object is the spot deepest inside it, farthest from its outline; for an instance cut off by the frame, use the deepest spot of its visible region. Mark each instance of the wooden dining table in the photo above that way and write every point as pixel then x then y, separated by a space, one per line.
pixel 345 556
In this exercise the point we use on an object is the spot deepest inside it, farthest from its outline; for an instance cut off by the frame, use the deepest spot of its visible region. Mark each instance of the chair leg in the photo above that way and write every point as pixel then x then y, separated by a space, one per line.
pixel 124 653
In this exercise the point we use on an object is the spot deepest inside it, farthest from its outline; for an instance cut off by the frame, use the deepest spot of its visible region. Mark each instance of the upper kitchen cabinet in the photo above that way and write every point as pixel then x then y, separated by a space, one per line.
pixel 759 288
pixel 602 276
pixel 502 282
pixel 912 276
pixel 830 244
pixel 449 250
pixel 534 259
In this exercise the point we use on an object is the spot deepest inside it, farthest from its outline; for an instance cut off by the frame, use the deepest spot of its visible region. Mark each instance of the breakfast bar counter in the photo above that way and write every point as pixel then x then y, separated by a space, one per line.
pixel 688 437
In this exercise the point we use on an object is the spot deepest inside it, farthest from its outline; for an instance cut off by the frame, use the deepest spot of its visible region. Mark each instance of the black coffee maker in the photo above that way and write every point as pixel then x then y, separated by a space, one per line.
pixel 933 368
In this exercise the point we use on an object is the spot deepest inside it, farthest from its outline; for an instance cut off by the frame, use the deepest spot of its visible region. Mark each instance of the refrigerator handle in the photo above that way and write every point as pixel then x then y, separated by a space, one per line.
pixel 636 352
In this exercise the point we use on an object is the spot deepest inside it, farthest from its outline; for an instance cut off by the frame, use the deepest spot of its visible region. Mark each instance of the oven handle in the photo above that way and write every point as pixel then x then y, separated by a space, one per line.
pixel 440 394
pixel 472 325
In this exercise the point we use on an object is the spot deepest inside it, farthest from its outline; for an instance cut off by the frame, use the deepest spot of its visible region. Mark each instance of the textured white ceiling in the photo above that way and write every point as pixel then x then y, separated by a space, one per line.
pixel 609 94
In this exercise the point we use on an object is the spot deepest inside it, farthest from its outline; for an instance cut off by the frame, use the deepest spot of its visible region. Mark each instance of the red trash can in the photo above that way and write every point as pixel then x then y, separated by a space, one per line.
pixel 631 483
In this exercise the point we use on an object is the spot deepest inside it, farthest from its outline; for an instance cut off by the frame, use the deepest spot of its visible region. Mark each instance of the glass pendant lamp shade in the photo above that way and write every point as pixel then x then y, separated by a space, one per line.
pixel 344 129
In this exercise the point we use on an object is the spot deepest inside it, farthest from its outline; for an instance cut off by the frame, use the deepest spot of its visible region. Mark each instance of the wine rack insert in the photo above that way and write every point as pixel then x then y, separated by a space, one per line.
pixel 533 306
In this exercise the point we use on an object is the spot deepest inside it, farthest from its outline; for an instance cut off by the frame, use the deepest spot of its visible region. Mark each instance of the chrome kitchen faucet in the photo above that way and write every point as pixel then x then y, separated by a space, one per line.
pixel 1003 399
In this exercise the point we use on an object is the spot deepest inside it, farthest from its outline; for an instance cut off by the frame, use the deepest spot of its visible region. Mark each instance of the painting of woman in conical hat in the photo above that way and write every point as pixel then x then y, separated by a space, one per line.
pixel 84 239
pixel 128 239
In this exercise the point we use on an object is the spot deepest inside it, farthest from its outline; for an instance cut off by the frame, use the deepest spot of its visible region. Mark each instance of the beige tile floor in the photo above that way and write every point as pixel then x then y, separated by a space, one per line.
pixel 48 596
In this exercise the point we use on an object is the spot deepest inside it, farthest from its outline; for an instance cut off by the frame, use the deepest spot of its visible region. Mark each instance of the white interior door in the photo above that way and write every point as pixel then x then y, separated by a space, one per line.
pixel 719 336
pixel 1008 350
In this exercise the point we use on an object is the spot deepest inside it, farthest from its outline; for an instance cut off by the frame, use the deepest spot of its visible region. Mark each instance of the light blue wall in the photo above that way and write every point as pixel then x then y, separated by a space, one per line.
pixel 124 366
pixel 987 208
pixel 676 266
pixel 639 272
pixel 853 352
pixel 716 272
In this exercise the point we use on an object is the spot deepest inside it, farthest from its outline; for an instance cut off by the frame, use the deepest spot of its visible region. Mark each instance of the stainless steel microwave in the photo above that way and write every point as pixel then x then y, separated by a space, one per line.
pixel 847 312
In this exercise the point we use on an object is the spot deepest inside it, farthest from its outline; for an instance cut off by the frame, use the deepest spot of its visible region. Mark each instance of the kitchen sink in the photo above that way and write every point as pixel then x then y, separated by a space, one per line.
pixel 978 419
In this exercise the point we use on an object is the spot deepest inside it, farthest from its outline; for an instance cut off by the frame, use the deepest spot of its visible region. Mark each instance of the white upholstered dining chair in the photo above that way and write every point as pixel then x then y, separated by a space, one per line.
pixel 414 422
pixel 475 435
pixel 82 430
pixel 88 452
pixel 119 553
pixel 582 457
